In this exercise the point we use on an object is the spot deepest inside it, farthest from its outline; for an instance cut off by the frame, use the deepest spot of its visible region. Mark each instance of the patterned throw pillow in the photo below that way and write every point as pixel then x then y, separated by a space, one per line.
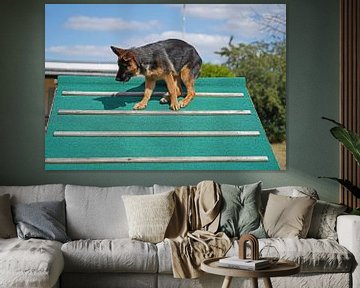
pixel 323 223
pixel 240 213
pixel 149 215
pixel 288 217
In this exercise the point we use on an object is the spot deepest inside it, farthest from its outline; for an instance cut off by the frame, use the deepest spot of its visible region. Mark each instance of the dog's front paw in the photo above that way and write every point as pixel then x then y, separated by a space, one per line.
pixel 139 106
pixel 183 104
pixel 175 106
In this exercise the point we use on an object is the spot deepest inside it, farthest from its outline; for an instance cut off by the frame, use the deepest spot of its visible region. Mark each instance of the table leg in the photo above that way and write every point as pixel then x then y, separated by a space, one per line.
pixel 267 283
pixel 254 282
pixel 227 282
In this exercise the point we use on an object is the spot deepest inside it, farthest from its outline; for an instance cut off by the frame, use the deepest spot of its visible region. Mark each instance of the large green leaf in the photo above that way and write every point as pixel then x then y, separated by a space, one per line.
pixel 348 138
pixel 348 185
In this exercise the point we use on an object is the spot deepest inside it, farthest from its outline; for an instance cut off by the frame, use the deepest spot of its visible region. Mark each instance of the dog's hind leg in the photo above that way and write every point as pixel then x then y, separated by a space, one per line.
pixel 178 85
pixel 149 87
pixel 189 81
pixel 171 86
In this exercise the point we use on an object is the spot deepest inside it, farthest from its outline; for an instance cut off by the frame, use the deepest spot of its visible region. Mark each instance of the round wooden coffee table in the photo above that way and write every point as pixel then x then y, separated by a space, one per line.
pixel 281 268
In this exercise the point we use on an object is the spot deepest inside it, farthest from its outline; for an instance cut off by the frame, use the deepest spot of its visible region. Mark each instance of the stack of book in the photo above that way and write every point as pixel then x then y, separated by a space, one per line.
pixel 248 264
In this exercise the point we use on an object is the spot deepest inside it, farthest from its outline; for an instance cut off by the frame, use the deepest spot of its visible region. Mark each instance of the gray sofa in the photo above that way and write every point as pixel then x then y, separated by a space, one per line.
pixel 100 253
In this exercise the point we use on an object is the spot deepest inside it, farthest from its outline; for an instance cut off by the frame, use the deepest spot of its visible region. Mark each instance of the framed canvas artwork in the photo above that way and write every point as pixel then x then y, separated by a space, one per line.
pixel 165 87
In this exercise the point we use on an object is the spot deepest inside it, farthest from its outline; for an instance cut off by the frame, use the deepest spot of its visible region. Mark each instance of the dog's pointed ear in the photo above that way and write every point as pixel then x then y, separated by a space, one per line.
pixel 118 51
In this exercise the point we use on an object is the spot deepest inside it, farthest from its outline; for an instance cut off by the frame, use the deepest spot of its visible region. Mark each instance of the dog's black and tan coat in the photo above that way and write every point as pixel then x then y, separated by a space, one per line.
pixel 172 60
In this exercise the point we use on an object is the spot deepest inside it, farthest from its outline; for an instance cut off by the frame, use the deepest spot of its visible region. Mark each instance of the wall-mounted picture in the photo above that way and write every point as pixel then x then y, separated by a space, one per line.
pixel 165 87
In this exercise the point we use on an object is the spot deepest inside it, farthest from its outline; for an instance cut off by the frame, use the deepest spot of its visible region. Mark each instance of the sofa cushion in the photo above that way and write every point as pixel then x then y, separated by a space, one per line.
pixel 287 216
pixel 109 280
pixel 7 227
pixel 149 215
pixel 30 263
pixel 43 220
pixel 117 255
pixel 163 188
pixel 313 255
pixel 98 213
pixel 36 193
pixel 164 257
pixel 323 222
pixel 240 212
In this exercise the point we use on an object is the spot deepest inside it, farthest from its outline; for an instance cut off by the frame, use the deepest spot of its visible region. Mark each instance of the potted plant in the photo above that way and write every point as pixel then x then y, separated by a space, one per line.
pixel 351 141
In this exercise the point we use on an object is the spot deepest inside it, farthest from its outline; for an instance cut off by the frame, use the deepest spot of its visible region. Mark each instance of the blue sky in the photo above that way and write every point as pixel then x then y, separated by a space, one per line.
pixel 85 32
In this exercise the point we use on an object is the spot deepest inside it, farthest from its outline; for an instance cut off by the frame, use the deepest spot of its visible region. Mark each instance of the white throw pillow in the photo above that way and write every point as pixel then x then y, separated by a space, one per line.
pixel 149 215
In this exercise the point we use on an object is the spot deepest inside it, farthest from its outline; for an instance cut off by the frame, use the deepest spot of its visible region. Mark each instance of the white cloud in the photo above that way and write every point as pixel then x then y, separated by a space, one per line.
pixel 108 24
pixel 210 11
pixel 80 50
pixel 240 20
pixel 233 11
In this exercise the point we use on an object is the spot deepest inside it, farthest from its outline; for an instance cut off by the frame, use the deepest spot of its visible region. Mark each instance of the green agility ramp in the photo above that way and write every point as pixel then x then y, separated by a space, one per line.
pixel 92 126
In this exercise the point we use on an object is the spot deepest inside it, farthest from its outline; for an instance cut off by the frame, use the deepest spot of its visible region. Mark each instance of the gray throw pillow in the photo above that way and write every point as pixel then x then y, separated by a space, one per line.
pixel 323 222
pixel 240 213
pixel 44 220
pixel 7 227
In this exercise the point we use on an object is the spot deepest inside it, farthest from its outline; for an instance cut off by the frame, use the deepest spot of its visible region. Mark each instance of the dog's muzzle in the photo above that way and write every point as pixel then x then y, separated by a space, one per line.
pixel 123 78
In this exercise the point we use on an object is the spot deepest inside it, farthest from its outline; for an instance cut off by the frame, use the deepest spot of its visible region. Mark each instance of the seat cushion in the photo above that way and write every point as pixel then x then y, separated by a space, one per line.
pixel 117 255
pixel 108 280
pixel 30 263
pixel 164 257
pixel 313 255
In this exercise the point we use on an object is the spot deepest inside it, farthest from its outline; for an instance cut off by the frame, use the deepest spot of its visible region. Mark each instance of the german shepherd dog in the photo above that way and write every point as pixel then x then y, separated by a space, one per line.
pixel 172 60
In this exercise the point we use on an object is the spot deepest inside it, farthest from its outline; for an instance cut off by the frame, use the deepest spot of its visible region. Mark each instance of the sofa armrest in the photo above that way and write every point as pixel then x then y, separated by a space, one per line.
pixel 348 230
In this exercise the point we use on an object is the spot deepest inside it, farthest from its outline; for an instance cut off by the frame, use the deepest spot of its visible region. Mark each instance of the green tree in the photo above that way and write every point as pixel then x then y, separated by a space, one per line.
pixel 214 70
pixel 264 67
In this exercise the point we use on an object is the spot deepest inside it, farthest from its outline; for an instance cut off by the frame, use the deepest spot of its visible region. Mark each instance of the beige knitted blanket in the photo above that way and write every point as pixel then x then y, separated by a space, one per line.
pixel 191 231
